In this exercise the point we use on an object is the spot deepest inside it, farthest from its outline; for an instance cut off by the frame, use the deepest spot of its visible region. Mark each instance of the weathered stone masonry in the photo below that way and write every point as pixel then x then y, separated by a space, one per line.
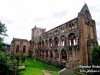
pixel 69 44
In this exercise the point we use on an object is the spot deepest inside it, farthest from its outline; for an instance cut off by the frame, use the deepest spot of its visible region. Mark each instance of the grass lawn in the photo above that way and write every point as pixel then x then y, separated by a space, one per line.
pixel 34 67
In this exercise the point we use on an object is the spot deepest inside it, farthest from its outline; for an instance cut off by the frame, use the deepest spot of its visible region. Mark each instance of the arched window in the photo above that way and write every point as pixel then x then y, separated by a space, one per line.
pixel 17 48
pixel 64 55
pixel 50 43
pixel 72 39
pixel 24 49
pixel 56 41
pixel 46 53
pixel 63 40
pixel 56 54
pixel 42 53
pixel 51 54
pixel 42 43
pixel 46 42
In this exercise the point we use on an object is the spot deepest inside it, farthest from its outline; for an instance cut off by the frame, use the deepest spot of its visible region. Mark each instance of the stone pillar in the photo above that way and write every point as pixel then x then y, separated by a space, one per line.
pixel 59 57
pixel 54 56
pixel 48 55
pixel 41 55
pixel 44 55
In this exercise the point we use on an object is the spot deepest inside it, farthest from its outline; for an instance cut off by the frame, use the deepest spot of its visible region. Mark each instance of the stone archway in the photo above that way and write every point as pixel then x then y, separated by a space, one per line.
pixel 63 55
pixel 46 54
pixel 39 53
pixel 42 44
pixel 72 39
pixel 50 42
pixel 24 49
pixel 36 53
pixel 63 58
pixel 63 40
pixel 56 41
pixel 56 55
pixel 51 55
pixel 46 43
pixel 42 54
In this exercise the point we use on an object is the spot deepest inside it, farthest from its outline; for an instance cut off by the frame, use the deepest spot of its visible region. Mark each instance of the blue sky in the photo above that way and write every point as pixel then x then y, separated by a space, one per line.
pixel 20 16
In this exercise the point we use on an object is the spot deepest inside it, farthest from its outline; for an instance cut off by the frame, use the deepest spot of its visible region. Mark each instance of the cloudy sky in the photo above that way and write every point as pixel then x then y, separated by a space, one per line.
pixel 20 16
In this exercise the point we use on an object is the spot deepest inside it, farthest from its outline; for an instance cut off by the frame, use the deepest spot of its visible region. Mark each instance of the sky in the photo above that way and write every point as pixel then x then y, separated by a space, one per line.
pixel 20 16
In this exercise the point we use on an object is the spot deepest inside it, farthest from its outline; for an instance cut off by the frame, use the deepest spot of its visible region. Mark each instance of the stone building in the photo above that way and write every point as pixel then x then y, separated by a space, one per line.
pixel 69 44
pixel 19 46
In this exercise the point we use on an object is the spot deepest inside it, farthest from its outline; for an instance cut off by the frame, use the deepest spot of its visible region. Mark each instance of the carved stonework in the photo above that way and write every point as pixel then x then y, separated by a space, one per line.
pixel 68 44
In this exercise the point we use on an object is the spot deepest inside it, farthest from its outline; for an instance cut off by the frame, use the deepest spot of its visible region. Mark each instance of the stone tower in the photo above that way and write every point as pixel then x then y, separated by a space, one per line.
pixel 36 31
pixel 87 34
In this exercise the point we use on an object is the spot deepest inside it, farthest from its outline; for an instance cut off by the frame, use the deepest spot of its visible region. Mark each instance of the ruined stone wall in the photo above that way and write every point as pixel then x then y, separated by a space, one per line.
pixel 70 43
pixel 19 46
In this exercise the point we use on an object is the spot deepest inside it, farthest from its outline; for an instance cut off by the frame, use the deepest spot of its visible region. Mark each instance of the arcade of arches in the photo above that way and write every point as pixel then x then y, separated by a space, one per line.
pixel 57 50
pixel 66 45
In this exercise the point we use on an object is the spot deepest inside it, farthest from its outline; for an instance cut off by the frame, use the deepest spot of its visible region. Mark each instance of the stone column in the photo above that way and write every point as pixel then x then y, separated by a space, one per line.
pixel 60 57
pixel 54 56
pixel 48 55
pixel 44 55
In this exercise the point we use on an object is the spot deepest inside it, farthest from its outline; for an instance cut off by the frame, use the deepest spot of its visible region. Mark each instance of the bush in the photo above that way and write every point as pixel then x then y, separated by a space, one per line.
pixel 7 60
pixel 96 55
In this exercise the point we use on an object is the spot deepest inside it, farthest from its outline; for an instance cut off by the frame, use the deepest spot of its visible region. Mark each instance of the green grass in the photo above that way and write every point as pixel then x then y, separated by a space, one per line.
pixel 51 68
pixel 34 67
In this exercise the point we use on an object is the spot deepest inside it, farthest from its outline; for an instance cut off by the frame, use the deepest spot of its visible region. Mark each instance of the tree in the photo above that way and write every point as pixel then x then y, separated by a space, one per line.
pixel 4 59
pixel 2 29
pixel 1 41
pixel 96 55
pixel 2 33
pixel 95 60
pixel 7 62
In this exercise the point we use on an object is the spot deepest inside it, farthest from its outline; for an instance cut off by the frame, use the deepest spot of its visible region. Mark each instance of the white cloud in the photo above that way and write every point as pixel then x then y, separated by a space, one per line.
pixel 20 16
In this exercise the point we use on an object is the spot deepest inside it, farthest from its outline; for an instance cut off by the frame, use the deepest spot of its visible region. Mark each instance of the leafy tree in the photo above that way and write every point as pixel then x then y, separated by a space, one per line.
pixel 2 29
pixel 5 59
pixel 95 60
pixel 2 33
pixel 96 55
pixel 1 41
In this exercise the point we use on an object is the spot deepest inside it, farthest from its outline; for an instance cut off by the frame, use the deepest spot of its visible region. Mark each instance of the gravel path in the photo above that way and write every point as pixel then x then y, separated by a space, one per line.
pixel 46 72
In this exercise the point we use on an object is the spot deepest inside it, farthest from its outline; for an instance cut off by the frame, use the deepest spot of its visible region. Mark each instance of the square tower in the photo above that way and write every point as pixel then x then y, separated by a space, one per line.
pixel 36 31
